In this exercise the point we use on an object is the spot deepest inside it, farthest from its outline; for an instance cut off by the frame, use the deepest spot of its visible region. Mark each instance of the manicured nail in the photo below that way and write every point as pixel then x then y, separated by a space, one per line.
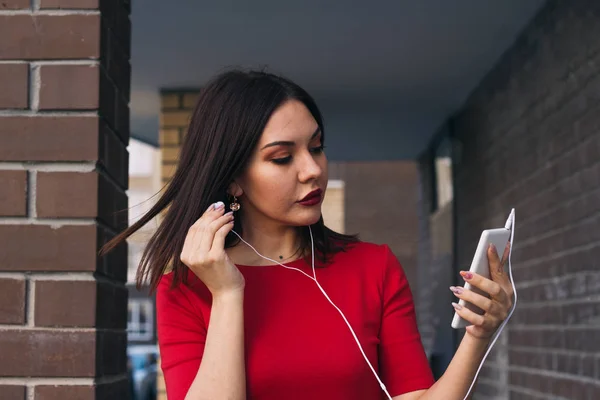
pixel 457 306
pixel 466 275
pixel 456 289
pixel 492 247
pixel 229 214
pixel 218 205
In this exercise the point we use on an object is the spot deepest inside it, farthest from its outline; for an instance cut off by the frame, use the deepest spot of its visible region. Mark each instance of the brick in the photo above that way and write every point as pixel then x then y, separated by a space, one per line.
pixel 73 4
pixel 106 391
pixel 169 137
pixel 67 194
pixel 122 31
pixel 15 4
pixel 69 87
pixel 48 353
pixel 114 390
pixel 178 119
pixel 65 303
pixel 112 205
pixel 170 100
pixel 13 392
pixel 531 359
pixel 68 248
pixel 81 195
pixel 170 154
pixel 119 70
pixel 113 156
pixel 12 301
pixel 122 118
pixel 48 138
pixel 108 100
pixel 111 357
pixel 80 304
pixel 14 85
pixel 168 171
pixel 113 264
pixel 55 392
pixel 190 99
pixel 13 196
pixel 29 37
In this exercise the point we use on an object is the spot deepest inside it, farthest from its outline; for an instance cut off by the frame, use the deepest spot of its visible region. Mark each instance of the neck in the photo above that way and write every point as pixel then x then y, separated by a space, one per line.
pixel 274 240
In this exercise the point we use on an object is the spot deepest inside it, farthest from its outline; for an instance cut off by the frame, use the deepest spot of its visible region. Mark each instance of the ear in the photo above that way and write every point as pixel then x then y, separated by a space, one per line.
pixel 234 189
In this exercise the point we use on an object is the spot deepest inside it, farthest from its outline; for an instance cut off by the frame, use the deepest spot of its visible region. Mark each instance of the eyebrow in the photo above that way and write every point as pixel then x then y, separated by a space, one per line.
pixel 289 143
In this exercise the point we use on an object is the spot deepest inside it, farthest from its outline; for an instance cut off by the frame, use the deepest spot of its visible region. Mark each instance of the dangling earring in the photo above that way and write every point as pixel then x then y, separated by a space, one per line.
pixel 235 206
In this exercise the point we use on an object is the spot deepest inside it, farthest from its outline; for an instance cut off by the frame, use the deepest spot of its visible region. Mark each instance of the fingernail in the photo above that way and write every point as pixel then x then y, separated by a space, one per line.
pixel 457 290
pixel 466 275
pixel 218 205
pixel 230 213
pixel 492 247
pixel 457 306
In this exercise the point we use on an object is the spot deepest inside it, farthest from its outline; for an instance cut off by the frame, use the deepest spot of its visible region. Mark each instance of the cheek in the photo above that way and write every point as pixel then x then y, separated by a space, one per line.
pixel 271 186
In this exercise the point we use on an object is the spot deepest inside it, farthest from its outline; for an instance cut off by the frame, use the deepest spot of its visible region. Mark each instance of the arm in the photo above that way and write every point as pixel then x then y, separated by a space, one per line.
pixel 457 379
pixel 222 373
pixel 200 361
pixel 204 359
pixel 458 376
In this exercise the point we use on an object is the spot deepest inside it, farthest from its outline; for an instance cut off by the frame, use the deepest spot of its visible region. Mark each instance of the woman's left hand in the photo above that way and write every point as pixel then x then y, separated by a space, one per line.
pixel 495 309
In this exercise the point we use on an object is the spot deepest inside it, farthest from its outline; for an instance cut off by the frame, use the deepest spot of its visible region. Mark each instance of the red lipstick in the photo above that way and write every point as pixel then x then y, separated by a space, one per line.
pixel 312 198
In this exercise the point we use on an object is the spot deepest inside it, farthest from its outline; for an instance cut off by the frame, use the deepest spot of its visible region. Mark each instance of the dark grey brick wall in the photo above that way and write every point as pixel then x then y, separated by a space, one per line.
pixel 530 137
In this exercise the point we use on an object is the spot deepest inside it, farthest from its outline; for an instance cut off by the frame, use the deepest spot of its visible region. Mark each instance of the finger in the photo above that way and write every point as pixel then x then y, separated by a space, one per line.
pixel 472 317
pixel 496 267
pixel 494 259
pixel 476 299
pixel 208 234
pixel 212 212
pixel 505 254
pixel 218 244
pixel 494 289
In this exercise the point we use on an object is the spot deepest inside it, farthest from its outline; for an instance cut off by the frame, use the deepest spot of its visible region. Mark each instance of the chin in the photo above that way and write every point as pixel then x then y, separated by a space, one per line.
pixel 308 218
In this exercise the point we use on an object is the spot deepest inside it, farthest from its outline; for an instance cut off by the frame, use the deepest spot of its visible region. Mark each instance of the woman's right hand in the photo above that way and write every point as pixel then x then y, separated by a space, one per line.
pixel 204 251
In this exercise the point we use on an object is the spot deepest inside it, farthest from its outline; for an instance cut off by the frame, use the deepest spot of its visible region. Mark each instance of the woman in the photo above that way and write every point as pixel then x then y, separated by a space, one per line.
pixel 233 323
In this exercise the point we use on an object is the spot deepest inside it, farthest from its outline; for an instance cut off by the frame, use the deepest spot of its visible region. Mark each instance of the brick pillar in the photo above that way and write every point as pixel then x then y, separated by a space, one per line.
pixel 175 113
pixel 64 127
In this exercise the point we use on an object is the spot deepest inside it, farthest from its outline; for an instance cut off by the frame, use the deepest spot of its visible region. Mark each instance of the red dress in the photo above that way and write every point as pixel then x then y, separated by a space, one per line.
pixel 297 345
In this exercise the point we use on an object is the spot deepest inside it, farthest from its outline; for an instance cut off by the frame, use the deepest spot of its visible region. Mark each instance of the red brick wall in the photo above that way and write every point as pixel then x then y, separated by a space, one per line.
pixel 531 140
pixel 64 128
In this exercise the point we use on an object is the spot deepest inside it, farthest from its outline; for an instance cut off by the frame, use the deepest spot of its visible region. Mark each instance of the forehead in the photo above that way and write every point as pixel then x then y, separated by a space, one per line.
pixel 291 121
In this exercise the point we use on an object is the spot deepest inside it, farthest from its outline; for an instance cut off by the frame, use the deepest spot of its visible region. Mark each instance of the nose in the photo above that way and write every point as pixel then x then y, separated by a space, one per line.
pixel 309 168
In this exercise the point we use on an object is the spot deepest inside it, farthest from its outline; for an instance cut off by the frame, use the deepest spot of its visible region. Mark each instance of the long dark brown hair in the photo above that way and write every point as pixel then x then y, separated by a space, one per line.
pixel 226 125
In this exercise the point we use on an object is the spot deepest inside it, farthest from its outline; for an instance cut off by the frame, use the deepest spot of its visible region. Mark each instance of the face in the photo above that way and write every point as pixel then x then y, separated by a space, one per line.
pixel 287 165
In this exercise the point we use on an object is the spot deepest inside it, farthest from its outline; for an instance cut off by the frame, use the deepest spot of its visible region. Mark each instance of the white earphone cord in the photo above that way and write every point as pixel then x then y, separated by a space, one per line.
pixel 314 278
pixel 510 224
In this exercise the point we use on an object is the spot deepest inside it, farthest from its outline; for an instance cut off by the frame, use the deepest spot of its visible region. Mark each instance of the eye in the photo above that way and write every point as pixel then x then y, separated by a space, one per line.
pixel 317 150
pixel 282 161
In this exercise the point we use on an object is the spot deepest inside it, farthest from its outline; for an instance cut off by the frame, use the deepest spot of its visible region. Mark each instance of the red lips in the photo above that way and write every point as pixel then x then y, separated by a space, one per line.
pixel 315 194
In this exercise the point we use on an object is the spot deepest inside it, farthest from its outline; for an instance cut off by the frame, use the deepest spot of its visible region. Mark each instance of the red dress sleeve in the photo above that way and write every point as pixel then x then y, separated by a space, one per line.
pixel 404 364
pixel 181 337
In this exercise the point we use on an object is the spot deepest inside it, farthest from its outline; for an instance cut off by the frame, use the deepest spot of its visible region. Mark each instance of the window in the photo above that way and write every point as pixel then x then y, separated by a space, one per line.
pixel 140 319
